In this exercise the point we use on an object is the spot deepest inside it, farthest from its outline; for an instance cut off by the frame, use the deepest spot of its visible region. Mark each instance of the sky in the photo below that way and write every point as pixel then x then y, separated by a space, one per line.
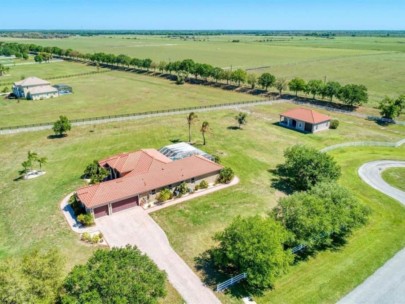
pixel 209 14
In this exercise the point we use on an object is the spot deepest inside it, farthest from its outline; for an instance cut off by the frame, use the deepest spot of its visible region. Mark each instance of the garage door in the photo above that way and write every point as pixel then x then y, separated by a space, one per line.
pixel 101 211
pixel 125 204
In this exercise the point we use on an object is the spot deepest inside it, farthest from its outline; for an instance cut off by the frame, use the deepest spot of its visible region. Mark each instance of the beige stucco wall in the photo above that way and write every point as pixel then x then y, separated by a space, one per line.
pixel 148 198
pixel 44 96
pixel 320 127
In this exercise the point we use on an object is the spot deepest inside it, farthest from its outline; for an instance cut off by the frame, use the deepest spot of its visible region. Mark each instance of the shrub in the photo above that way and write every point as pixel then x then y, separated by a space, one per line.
pixel 164 195
pixel 86 237
pixel 203 184
pixel 86 219
pixel 76 205
pixel 182 189
pixel 226 175
pixel 334 124
pixel 197 187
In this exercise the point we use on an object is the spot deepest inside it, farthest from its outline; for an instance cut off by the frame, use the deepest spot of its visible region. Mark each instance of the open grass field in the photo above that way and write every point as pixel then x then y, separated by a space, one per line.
pixel 109 93
pixel 377 62
pixel 33 220
pixel 395 177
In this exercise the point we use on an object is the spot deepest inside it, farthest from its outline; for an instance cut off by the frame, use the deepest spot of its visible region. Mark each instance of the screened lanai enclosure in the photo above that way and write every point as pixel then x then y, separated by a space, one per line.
pixel 181 150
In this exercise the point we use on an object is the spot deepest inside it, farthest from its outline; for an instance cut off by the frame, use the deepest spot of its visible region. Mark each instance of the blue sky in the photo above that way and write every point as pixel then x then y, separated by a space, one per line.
pixel 209 14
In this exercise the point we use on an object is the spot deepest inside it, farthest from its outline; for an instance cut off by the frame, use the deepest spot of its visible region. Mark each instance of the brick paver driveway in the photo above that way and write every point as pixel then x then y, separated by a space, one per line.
pixel 136 227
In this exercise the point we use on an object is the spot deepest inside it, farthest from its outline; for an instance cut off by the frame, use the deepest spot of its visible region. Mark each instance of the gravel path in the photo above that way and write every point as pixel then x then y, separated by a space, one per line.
pixel 142 116
pixel 387 284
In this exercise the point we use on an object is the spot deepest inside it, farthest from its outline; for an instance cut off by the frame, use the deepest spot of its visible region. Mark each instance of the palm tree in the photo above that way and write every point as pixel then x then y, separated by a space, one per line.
pixel 204 129
pixel 191 118
pixel 32 157
pixel 3 69
pixel 41 161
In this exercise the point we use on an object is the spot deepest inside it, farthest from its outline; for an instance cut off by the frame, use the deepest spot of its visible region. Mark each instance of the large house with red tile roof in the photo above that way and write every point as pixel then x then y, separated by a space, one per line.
pixel 136 178
pixel 305 120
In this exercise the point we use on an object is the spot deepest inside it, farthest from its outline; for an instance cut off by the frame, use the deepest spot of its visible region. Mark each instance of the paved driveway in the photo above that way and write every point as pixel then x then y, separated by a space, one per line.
pixel 136 227
pixel 387 284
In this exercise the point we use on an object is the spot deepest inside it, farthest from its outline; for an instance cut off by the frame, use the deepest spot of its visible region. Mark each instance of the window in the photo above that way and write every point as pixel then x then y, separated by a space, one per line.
pixel 193 180
pixel 153 191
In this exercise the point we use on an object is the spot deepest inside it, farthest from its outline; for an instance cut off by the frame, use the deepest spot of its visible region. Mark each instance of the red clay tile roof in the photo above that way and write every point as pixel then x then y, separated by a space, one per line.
pixel 138 161
pixel 306 115
pixel 159 174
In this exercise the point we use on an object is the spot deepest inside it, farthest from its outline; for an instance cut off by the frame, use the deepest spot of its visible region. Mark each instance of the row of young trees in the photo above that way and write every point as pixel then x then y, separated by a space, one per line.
pixel 350 94
pixel 319 215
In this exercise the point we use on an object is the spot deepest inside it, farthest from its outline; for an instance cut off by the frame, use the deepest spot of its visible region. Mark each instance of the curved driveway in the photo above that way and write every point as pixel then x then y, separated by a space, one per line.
pixel 387 284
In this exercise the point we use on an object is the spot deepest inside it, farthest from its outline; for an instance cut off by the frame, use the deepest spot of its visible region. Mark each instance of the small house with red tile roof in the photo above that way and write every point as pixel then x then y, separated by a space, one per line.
pixel 305 120
pixel 136 179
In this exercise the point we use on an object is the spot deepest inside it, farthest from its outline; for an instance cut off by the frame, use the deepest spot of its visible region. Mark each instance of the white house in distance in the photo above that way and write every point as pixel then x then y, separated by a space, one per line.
pixel 305 120
pixel 34 88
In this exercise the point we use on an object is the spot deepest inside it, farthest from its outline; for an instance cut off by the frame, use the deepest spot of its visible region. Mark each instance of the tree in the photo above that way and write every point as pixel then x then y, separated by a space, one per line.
pixel 331 89
pixel 162 66
pixel 146 63
pixel 252 80
pixel 239 76
pixel 390 108
pixel 281 85
pixel 3 69
pixel 42 161
pixel 217 73
pixel 61 126
pixel 34 279
pixel 95 172
pixel 266 80
pixel 325 215
pixel 315 87
pixel 254 245
pixel 304 167
pixel 226 75
pixel 191 119
pixel 241 119
pixel 297 85
pixel 38 58
pixel 205 127
pixel 353 94
pixel 119 275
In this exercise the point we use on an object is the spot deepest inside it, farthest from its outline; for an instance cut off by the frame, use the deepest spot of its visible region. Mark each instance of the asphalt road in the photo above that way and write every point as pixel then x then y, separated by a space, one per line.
pixel 387 284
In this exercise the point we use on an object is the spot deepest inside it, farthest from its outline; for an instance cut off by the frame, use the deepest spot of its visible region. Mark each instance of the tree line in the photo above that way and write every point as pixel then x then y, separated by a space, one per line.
pixel 349 94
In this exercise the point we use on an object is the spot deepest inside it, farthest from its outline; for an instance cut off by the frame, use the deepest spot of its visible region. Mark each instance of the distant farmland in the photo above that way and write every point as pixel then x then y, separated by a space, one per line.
pixel 377 62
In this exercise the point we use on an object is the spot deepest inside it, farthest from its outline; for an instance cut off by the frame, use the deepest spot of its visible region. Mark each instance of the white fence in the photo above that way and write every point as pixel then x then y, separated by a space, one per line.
pixel 365 144
pixel 231 281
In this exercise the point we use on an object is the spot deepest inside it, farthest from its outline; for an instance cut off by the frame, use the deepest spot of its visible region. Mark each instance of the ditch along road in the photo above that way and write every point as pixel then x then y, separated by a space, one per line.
pixel 387 284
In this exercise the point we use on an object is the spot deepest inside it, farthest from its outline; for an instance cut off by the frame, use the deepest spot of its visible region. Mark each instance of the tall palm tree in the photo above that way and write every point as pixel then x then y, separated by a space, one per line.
pixel 204 129
pixel 191 118
pixel 32 157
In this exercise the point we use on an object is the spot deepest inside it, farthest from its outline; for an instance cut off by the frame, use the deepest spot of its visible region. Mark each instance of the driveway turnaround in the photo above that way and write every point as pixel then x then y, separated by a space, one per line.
pixel 387 284
pixel 136 227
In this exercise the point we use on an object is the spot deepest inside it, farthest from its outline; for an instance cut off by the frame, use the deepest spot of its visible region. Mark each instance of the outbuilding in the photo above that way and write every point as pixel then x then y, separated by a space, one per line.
pixel 305 120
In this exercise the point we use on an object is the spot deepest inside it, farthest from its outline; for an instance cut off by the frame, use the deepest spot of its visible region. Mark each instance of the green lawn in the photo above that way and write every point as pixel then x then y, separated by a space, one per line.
pixel 395 177
pixel 33 219
pixel 108 94
pixel 377 62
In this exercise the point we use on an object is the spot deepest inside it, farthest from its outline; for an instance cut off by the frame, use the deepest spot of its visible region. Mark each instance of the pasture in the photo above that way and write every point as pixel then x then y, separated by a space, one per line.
pixel 34 221
pixel 108 93
pixel 377 62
